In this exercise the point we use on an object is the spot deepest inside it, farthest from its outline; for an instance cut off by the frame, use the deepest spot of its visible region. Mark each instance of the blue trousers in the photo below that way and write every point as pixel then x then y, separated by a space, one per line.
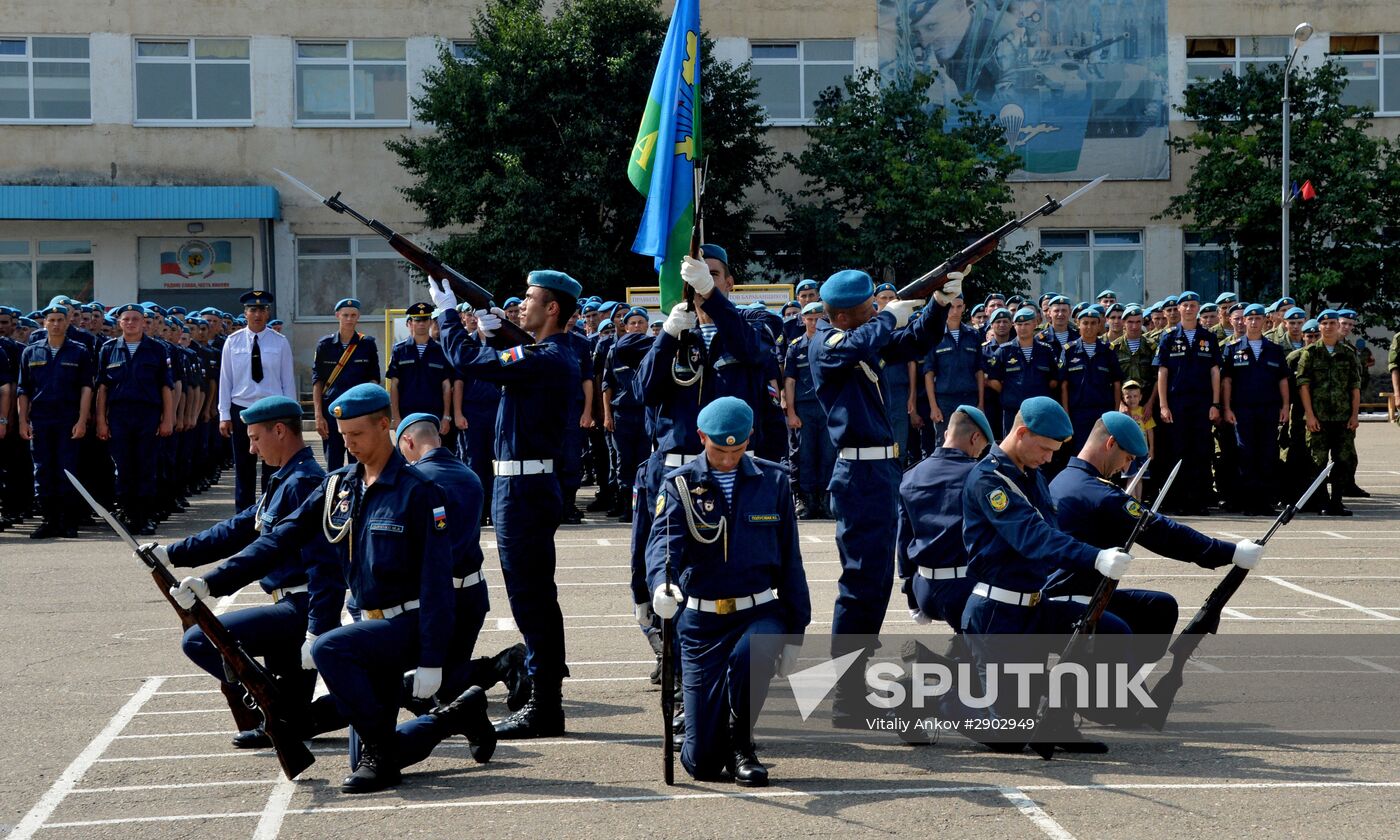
pixel 715 677
pixel 943 600
pixel 54 451
pixel 646 483
pixel 246 483
pixel 476 449
pixel 527 511
pixel 897 410
pixel 816 454
pixel 864 499
pixel 1256 432
pixel 632 444
pixel 570 467
pixel 133 446
pixel 472 606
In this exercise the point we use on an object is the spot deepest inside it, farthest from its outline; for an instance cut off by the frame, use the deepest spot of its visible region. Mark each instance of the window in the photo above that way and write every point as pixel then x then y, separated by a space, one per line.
pixel 45 80
pixel 364 267
pixel 1092 260
pixel 1207 59
pixel 792 75
pixel 465 52
pixel 1372 63
pixel 1207 269
pixel 193 80
pixel 33 273
pixel 361 82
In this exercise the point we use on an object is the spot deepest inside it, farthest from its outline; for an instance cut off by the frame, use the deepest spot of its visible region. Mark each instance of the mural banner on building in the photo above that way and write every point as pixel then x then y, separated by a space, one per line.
pixel 1078 86
pixel 196 263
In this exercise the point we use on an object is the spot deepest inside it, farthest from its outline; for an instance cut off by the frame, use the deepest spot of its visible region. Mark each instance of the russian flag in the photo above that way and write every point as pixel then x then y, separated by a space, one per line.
pixel 439 518
pixel 169 264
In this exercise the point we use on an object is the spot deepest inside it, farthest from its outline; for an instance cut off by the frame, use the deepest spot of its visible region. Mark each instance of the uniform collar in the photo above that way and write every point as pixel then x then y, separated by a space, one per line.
pixel 387 476
pixel 746 465
pixel 951 453
pixel 293 463
pixel 433 455
pixel 1077 463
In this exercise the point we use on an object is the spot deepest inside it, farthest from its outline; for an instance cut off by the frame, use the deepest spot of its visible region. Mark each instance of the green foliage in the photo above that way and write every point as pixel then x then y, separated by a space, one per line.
pixel 895 186
pixel 532 137
pixel 1338 251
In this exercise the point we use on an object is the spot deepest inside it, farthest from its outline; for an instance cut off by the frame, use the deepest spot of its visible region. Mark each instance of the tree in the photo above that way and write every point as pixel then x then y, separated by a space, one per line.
pixel 533 134
pixel 1338 250
pixel 894 185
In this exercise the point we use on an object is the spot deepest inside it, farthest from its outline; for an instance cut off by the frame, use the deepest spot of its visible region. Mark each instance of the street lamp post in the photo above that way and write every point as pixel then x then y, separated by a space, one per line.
pixel 1302 33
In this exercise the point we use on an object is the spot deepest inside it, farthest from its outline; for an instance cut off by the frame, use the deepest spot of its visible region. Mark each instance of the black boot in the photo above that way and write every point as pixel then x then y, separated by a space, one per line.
pixel 50 527
pixel 68 519
pixel 746 768
pixel 602 501
pixel 467 716
pixel 252 739
pixel 509 668
pixel 542 716
pixel 376 772
pixel 802 507
pixel 654 639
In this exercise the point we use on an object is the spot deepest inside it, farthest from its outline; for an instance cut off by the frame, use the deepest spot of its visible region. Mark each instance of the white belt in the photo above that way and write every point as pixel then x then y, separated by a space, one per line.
pixel 869 453
pixel 391 611
pixel 676 459
pixel 509 468
pixel 1006 596
pixel 725 606
pixel 1078 599
pixel 470 580
pixel 942 574
pixel 279 594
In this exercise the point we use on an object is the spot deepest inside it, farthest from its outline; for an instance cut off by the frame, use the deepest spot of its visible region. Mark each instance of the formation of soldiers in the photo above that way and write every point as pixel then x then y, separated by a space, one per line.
pixel 1020 424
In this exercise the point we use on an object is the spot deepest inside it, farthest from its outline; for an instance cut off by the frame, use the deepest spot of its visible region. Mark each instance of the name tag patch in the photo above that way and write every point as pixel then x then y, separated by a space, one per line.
pixel 383 527
pixel 763 517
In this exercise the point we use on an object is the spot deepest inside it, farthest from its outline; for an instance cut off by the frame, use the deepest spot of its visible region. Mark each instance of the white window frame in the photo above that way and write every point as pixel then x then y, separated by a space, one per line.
pixel 801 63
pixel 1388 48
pixel 1093 247
pixel 460 47
pixel 354 256
pixel 29 60
pixel 1240 59
pixel 193 62
pixel 34 257
pixel 349 62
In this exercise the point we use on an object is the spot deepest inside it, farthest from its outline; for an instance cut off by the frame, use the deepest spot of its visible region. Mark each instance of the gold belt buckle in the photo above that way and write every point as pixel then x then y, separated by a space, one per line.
pixel 372 614
pixel 724 606
pixel 1035 599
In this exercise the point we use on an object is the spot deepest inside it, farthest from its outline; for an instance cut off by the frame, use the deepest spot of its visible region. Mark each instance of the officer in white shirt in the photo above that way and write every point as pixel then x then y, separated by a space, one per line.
pixel 256 363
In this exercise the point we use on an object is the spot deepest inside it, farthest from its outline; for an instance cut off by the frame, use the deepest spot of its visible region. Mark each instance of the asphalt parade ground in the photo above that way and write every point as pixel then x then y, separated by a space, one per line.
pixel 110 732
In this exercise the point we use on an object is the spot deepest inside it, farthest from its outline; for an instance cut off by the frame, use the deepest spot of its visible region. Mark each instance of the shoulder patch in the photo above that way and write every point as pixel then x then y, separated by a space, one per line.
pixel 440 518
pixel 1133 508
pixel 513 355
pixel 836 337
pixel 998 500
pixel 660 503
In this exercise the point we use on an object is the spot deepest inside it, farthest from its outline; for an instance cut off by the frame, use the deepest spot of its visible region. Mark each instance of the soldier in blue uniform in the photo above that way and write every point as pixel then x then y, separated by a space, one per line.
pixel 527 507
pixel 808 292
pixel 724 546
pixel 998 332
pixel 813 454
pixel 475 404
pixel 932 558
pixel 135 407
pixel 952 372
pixel 1254 389
pixel 15 464
pixel 1090 378
pixel 389 527
pixel 343 359
pixel 1022 368
pixel 846 355
pixel 420 374
pixel 55 398
pixel 274 632
pixel 581 413
pixel 770 430
pixel 624 411
pixel 1188 399
pixel 1058 331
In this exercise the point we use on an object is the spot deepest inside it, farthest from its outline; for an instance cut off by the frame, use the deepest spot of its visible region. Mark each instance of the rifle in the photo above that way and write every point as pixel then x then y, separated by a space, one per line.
pixel 244 716
pixel 1207 618
pixel 260 687
pixel 509 335
pixel 934 279
pixel 1084 628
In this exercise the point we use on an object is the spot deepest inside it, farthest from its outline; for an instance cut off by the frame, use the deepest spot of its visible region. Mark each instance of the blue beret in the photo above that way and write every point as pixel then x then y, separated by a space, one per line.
pixel 417 417
pixel 128 307
pixel 977 417
pixel 1296 313
pixel 1046 417
pixel 171 322
pixel 276 322
pixel 99 304
pixel 177 310
pixel 807 284
pixel 1025 313
pixel 792 303
pixel 268 409
pixel 344 302
pixel 1226 297
pixel 727 421
pixel 1002 312
pixel 593 299
pixel 365 398
pixel 257 297
pixel 200 322
pixel 1127 432
pixel 419 311
pixel 1254 309
pixel 1327 315
pixel 1056 300
pixel 816 307
pixel 638 310
pixel 1093 310
pixel 1273 307
pixel 1184 297
pixel 108 322
pixel 1044 297
pixel 1311 326
pixel 555 281
pixel 1014 301
pixel 714 252
pixel 52 309
pixel 1106 293
pixel 1347 313
pixel 1170 300
pixel 154 310
pixel 511 301
pixel 847 288
pixel 885 287
pixel 241 321
pixel 1286 301
pixel 1209 307
pixel 978 308
pixel 589 308
pixel 1114 307
pixel 29 322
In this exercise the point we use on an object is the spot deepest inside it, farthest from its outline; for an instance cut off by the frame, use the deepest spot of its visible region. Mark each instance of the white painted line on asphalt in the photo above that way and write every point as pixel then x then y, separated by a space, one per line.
pixel 190 691
pixel 1361 660
pixel 1303 589
pixel 270 823
pixel 68 780
pixel 172 735
pixel 1230 535
pixel 181 786
pixel 1337 535
pixel 185 712
pixel 605 543
pixel 1036 814
pixel 1236 614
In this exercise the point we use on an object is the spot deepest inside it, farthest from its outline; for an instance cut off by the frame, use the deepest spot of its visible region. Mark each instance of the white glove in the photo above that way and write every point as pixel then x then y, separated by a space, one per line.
pixel 642 612
pixel 157 550
pixel 307 663
pixel 489 320
pixel 426 682
pixel 680 320
pixel 919 617
pixel 1248 553
pixel 190 589
pixel 952 288
pixel 666 601
pixel 787 660
pixel 696 274
pixel 1112 563
pixel 442 295
pixel 901 310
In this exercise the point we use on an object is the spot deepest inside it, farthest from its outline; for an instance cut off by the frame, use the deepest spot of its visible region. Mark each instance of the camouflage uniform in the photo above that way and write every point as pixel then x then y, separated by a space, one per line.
pixel 1293 440
pixel 1330 379
pixel 1138 365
